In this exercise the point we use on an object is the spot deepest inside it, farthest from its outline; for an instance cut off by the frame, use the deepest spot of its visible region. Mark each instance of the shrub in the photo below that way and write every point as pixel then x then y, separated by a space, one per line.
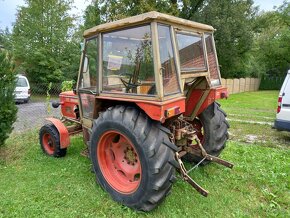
pixel 271 82
pixel 8 109
pixel 67 85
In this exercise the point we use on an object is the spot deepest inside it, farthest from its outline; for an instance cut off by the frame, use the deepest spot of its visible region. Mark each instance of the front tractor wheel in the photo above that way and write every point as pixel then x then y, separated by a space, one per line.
pixel 131 159
pixel 50 141
pixel 212 130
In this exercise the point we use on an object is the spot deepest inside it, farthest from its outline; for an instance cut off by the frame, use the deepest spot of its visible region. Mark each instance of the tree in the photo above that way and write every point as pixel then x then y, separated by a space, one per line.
pixel 8 109
pixel 233 20
pixel 92 15
pixel 41 37
pixel 272 48
pixel 115 9
pixel 5 39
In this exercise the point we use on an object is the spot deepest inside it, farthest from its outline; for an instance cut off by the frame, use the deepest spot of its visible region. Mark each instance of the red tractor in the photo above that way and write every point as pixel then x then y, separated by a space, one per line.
pixel 145 102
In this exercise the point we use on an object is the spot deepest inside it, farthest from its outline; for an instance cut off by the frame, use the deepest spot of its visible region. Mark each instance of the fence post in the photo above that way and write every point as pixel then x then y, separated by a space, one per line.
pixel 230 85
pixel 247 84
pixel 236 86
pixel 224 82
pixel 242 84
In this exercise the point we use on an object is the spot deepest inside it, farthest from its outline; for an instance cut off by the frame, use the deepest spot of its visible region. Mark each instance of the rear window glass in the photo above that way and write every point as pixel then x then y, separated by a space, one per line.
pixel 21 82
pixel 190 52
pixel 212 61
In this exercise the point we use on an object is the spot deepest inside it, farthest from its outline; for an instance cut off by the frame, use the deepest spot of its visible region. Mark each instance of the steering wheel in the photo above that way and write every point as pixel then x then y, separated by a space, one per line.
pixel 129 85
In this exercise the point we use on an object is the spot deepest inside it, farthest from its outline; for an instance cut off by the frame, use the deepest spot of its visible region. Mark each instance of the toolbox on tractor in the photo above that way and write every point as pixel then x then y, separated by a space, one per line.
pixel 145 102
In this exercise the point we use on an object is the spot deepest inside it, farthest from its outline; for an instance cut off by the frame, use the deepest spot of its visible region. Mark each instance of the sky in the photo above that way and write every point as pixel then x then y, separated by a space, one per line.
pixel 8 9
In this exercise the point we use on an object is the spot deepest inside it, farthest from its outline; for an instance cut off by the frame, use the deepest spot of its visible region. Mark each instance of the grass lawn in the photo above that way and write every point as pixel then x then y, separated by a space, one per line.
pixel 34 185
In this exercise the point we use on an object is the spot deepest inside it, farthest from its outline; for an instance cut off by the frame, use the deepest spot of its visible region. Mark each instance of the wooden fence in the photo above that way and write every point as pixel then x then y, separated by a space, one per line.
pixel 241 85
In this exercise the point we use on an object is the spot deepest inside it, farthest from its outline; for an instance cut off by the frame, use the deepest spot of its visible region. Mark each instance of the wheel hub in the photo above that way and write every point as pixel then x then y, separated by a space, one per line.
pixel 130 156
pixel 48 143
pixel 119 162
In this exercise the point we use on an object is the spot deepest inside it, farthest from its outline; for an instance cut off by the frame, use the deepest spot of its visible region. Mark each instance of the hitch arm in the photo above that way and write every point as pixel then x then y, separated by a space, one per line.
pixel 208 156
pixel 200 153
pixel 187 178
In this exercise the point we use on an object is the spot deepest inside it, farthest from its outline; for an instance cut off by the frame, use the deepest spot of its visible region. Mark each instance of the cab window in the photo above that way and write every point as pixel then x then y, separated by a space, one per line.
pixel 89 69
pixel 212 61
pixel 191 52
pixel 169 72
pixel 128 61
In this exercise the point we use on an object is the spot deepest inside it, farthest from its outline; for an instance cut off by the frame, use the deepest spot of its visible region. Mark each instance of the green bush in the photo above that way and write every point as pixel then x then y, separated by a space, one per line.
pixel 67 85
pixel 271 83
pixel 8 109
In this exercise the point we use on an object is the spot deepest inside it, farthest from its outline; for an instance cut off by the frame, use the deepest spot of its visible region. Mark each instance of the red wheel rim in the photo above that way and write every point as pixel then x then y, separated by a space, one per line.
pixel 198 127
pixel 48 143
pixel 119 162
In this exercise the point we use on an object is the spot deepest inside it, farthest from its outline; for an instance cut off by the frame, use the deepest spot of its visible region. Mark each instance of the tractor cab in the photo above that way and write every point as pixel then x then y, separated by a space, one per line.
pixel 144 102
pixel 149 60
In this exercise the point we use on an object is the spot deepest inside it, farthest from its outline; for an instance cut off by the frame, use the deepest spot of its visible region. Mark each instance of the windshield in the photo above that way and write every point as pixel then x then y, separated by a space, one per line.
pixel 128 61
pixel 21 82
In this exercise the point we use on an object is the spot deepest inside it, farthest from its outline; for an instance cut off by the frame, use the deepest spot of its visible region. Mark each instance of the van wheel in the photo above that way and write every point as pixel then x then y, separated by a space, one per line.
pixel 131 159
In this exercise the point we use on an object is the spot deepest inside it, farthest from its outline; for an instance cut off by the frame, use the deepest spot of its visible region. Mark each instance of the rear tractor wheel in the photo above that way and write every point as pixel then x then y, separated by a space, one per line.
pixel 50 141
pixel 212 130
pixel 131 158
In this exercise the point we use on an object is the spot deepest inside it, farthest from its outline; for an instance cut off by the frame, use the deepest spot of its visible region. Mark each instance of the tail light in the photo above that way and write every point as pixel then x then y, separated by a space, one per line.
pixel 279 104
pixel 29 91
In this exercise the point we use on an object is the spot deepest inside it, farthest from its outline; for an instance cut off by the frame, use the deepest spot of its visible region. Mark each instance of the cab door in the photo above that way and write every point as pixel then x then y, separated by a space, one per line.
pixel 88 81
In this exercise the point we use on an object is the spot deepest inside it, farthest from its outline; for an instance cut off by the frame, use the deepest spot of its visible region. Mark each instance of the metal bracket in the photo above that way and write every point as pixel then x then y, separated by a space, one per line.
pixel 206 156
pixel 188 179
pixel 211 157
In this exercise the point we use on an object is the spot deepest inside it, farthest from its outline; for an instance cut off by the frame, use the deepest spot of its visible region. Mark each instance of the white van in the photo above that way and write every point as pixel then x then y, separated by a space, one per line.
pixel 282 121
pixel 22 89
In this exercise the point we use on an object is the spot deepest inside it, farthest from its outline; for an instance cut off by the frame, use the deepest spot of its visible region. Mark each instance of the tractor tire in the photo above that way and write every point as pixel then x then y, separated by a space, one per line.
pixel 132 157
pixel 212 131
pixel 50 141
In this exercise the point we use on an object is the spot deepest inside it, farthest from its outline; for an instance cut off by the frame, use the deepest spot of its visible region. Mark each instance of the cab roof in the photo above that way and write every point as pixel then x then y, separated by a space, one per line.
pixel 146 18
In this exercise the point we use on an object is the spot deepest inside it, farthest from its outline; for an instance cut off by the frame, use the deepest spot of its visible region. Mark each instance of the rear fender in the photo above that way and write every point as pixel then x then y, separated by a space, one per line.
pixel 199 99
pixel 62 130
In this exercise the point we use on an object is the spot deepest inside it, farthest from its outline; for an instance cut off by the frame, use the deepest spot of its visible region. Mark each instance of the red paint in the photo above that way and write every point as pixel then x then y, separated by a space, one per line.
pixel 194 98
pixel 48 143
pixel 279 105
pixel 119 162
pixel 158 112
pixel 69 102
pixel 154 109
pixel 197 125
pixel 62 130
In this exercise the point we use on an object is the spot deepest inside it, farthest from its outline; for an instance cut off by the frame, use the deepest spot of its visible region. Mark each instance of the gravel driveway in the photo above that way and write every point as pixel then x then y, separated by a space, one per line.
pixel 31 115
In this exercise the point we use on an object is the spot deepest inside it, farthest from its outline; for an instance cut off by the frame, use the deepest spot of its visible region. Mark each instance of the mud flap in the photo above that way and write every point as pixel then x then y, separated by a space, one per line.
pixel 62 130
